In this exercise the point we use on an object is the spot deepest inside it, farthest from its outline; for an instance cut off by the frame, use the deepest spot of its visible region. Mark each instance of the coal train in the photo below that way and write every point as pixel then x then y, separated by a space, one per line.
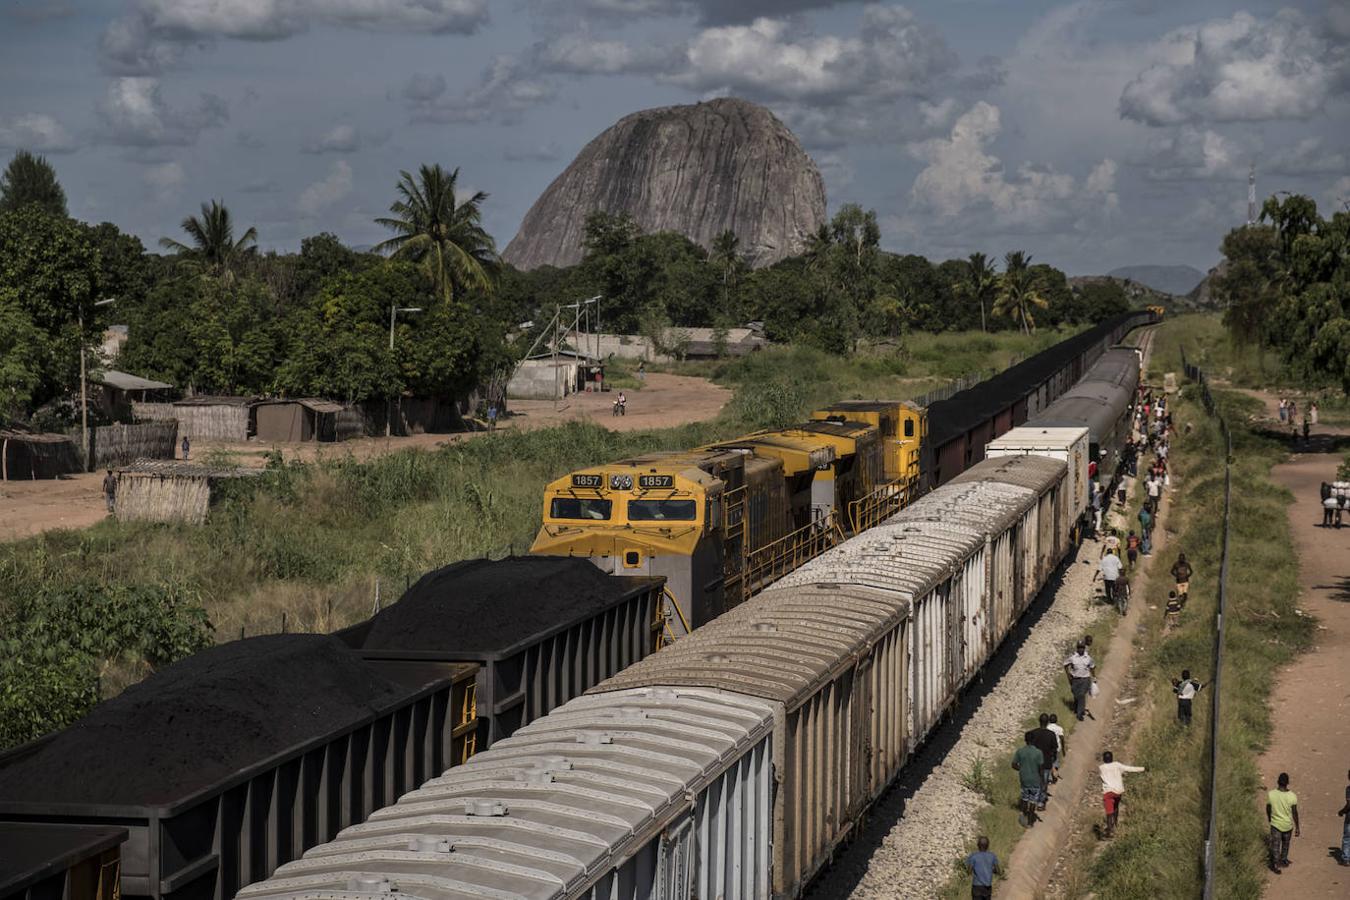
pixel 733 763
pixel 491 666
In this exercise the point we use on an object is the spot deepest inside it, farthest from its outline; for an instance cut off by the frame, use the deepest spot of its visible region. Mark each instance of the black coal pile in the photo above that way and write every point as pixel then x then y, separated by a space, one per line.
pixel 483 605
pixel 201 720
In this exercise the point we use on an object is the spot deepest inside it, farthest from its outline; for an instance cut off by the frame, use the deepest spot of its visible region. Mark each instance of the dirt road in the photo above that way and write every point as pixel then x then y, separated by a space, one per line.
pixel 31 507
pixel 1310 705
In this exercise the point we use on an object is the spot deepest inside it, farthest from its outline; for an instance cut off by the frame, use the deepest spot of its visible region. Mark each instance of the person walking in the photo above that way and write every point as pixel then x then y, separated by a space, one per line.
pixel 1331 505
pixel 1045 741
pixel 110 490
pixel 1181 573
pixel 1284 410
pixel 1028 761
pixel 1282 814
pixel 1307 426
pixel 1185 688
pixel 186 446
pixel 1344 813
pixel 1110 567
pixel 983 867
pixel 1060 747
pixel 1079 668
pixel 1312 411
pixel 1113 788
pixel 642 370
pixel 1132 548
pixel 492 416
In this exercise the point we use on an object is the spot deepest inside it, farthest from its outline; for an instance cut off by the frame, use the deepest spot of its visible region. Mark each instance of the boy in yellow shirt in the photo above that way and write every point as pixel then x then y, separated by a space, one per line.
pixel 1282 813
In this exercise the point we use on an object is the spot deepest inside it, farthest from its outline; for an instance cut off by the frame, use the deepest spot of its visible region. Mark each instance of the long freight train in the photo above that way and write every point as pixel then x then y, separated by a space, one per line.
pixel 733 763
pixel 256 810
pixel 722 522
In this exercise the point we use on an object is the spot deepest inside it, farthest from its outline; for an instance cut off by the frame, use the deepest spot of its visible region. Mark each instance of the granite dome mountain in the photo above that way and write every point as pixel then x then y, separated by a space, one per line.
pixel 698 170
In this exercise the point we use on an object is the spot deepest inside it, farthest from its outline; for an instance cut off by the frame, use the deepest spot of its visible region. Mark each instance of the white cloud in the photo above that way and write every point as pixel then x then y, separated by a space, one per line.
pixel 709 11
pixel 344 138
pixel 893 55
pixel 164 180
pixel 134 113
pixel 963 185
pixel 321 195
pixel 1338 197
pixel 1238 69
pixel 154 34
pixel 1188 153
pixel 507 88
pixel 36 132
pixel 423 87
pixel 579 53
pixel 1309 156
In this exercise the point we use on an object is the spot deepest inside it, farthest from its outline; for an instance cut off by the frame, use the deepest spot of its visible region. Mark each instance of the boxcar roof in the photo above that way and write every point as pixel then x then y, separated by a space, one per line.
pixel 1037 473
pixel 544 812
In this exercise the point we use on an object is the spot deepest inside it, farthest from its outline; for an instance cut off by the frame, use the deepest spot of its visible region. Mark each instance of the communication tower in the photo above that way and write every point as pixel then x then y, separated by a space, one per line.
pixel 1251 195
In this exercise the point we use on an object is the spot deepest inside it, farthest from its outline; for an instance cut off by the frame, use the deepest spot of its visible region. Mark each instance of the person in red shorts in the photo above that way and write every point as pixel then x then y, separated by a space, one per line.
pixel 1113 788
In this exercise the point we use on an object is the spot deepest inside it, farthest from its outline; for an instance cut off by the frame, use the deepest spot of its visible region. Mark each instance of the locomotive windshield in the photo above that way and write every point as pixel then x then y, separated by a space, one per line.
pixel 580 508
pixel 662 510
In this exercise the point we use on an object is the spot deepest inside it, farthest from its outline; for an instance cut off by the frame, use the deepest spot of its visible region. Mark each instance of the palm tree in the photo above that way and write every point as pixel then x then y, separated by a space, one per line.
pixel 213 245
pixel 1017 290
pixel 433 227
pixel 726 256
pixel 981 282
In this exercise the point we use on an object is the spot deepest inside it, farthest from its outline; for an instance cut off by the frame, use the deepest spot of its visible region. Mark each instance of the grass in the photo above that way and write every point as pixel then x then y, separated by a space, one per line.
pixel 1158 848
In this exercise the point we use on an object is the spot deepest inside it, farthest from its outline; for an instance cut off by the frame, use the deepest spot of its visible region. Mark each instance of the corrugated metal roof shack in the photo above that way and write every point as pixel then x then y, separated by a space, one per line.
pixel 226 764
pixel 26 455
pixel 169 491
pixel 60 862
pixel 119 390
pixel 305 420
pixel 544 629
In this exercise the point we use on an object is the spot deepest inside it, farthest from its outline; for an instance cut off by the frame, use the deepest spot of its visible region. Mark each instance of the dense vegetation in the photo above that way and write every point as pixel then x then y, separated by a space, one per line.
pixel 1286 287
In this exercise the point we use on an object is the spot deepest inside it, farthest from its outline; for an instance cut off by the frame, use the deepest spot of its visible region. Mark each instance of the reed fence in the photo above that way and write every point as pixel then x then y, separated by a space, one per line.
pixel 118 445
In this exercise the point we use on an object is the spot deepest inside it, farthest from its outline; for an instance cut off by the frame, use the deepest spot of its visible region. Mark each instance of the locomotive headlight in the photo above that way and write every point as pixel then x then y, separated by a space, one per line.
pixel 620 482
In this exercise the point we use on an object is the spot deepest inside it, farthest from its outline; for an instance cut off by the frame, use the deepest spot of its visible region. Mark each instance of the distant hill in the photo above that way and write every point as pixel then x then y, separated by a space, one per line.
pixel 1179 280
pixel 1137 293
pixel 1202 296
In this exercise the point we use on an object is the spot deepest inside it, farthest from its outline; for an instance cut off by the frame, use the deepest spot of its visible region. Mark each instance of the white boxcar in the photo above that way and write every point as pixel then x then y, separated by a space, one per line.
pixel 635 795
pixel 1068 444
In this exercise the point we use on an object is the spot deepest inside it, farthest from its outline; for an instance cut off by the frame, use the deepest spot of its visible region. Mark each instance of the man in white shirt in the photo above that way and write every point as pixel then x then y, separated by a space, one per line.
pixel 1079 668
pixel 1058 730
pixel 1110 568
pixel 1113 788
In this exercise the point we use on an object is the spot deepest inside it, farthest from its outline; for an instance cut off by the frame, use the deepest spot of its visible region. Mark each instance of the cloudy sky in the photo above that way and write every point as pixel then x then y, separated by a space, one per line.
pixel 1094 134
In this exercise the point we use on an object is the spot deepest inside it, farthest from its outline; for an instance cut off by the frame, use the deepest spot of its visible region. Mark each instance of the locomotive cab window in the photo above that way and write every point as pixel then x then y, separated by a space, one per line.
pixel 580 508
pixel 662 510
pixel 909 428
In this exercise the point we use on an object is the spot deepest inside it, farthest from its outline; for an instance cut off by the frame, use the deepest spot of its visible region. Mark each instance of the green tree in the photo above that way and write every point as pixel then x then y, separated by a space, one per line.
pixel 980 285
pixel 1017 294
pixel 731 267
pixel 23 348
pixel 434 228
pixel 31 180
pixel 213 246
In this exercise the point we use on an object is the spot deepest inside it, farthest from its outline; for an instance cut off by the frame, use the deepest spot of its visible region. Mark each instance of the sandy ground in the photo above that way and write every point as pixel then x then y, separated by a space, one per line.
pixel 31 507
pixel 1311 701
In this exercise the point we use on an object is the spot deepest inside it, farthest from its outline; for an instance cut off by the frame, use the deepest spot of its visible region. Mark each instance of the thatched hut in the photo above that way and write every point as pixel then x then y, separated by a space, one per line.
pixel 213 418
pixel 168 491
pixel 119 444
pixel 26 455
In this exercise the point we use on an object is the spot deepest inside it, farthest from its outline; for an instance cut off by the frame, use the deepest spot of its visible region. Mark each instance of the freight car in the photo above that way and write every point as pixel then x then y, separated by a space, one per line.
pixel 962 425
pixel 734 762
pixel 1101 400
pixel 60 862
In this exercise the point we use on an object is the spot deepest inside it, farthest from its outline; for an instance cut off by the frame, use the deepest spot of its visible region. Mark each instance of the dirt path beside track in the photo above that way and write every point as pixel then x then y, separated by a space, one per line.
pixel 1310 704
pixel 76 501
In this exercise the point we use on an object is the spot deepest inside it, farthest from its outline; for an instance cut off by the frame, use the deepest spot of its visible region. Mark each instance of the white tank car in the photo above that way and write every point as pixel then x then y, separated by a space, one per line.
pixel 733 762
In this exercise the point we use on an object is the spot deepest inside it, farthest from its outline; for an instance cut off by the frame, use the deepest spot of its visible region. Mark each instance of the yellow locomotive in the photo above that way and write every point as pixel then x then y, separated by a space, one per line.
pixel 721 522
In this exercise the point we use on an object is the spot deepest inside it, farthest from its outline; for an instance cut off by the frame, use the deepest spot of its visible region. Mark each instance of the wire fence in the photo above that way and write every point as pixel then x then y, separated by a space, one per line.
pixel 1195 374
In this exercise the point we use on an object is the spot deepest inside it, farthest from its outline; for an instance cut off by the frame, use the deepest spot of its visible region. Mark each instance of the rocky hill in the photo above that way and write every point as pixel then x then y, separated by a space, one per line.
pixel 1202 296
pixel 697 170
pixel 1136 293
pixel 1179 280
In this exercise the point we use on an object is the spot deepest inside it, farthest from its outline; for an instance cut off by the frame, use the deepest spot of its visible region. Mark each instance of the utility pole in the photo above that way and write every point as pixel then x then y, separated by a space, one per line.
pixel 394 310
pixel 84 389
pixel 1251 195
